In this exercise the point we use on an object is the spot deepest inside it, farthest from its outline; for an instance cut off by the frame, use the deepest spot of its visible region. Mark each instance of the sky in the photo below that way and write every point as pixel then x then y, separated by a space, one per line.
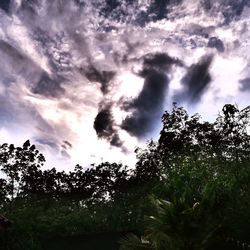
pixel 88 81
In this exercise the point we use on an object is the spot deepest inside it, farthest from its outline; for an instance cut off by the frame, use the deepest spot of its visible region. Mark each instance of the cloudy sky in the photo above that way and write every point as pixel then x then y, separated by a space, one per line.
pixel 87 81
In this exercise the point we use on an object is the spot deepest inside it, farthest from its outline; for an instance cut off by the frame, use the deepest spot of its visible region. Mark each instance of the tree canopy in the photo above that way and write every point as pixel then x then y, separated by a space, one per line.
pixel 193 186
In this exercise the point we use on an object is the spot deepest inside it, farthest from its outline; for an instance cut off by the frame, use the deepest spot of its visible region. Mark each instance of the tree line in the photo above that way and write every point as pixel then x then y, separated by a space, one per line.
pixel 188 190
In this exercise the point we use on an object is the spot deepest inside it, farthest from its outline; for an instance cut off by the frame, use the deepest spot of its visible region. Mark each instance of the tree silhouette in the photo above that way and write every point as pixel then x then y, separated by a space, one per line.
pixel 224 140
pixel 202 170
pixel 197 173
pixel 17 163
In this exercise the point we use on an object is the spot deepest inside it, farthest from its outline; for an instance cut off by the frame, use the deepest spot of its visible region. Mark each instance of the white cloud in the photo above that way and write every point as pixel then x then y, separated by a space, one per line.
pixel 62 44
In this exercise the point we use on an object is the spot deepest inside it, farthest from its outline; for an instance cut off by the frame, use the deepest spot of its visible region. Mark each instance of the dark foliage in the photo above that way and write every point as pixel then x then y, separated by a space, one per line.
pixel 193 185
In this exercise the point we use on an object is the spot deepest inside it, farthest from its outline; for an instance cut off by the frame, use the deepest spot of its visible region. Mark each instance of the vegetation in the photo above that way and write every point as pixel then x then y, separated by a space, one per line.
pixel 189 190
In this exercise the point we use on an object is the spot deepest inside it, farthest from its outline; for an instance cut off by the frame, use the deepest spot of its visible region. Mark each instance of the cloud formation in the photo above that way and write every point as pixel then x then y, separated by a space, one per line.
pixel 48 87
pixel 103 77
pixel 195 81
pixel 104 126
pixel 65 66
pixel 245 84
pixel 149 105
pixel 5 5
pixel 215 42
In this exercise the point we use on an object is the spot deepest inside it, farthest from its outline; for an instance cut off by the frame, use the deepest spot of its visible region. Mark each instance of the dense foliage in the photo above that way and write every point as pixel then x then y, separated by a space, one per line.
pixel 189 190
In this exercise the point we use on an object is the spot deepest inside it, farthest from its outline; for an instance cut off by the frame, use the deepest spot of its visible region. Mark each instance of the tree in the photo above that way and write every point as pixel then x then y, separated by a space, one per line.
pixel 221 142
pixel 203 173
pixel 3 191
pixel 17 163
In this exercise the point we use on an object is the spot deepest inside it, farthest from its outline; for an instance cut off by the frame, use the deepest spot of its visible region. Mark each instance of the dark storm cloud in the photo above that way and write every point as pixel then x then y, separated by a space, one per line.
pixel 110 8
pixel 5 5
pixel 230 9
pixel 49 87
pixel 104 126
pixel 158 9
pixel 159 61
pixel 149 105
pixel 120 10
pixel 196 81
pixel 215 42
pixel 103 77
pixel 245 84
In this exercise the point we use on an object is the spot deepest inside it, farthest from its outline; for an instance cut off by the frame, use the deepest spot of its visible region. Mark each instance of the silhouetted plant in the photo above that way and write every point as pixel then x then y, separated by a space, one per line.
pixel 198 173
pixel 17 163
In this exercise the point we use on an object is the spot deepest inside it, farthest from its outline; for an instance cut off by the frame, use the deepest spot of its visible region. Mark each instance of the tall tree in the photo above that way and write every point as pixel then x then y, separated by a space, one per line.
pixel 17 163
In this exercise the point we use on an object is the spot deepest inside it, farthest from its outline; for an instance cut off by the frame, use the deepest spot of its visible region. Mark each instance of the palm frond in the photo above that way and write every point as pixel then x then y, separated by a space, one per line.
pixel 133 242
